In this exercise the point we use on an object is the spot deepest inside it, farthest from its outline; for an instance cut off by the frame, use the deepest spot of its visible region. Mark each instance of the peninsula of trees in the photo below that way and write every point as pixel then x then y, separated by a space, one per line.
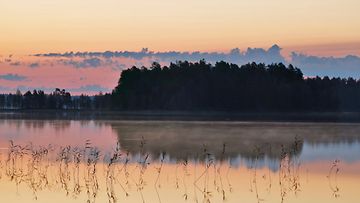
pixel 200 86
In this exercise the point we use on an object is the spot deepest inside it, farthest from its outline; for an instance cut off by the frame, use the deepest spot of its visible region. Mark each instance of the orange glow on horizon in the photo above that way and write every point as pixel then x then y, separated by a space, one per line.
pixel 59 26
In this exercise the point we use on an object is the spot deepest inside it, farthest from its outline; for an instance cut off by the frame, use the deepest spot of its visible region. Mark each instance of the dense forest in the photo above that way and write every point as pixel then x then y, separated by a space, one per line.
pixel 202 86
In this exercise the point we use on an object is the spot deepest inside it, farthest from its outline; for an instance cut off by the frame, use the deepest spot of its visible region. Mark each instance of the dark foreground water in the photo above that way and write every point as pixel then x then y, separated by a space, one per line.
pixel 178 161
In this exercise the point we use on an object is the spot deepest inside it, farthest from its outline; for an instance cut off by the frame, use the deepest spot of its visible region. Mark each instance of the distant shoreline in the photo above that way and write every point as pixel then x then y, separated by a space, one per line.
pixel 353 117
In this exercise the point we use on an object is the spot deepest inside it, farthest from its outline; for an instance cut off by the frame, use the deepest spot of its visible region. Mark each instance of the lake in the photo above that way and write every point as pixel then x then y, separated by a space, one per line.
pixel 178 161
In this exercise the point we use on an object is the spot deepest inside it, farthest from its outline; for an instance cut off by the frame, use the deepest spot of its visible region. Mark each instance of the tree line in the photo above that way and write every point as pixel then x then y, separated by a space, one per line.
pixel 200 86
pixel 59 99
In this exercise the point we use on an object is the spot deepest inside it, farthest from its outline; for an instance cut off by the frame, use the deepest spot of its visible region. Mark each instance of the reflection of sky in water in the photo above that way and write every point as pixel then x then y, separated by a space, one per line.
pixel 345 152
pixel 349 152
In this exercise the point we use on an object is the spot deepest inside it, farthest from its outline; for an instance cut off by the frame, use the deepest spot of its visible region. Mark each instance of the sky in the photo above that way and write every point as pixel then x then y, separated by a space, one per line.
pixel 318 36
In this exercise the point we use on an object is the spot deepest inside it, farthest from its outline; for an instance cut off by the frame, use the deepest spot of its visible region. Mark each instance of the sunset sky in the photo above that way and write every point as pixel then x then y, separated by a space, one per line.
pixel 321 28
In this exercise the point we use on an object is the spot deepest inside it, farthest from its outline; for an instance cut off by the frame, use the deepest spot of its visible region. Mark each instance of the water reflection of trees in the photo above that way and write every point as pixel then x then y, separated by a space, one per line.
pixel 57 125
pixel 52 124
pixel 183 140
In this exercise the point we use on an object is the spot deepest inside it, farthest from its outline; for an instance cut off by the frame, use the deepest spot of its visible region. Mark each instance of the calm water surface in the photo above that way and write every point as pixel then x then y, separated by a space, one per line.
pixel 174 161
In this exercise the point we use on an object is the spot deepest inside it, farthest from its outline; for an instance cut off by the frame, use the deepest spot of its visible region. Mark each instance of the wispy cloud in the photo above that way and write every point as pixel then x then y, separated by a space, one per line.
pixel 270 55
pixel 84 63
pixel 5 89
pixel 13 77
pixel 90 88
pixel 348 66
pixel 16 63
pixel 34 65
pixel 24 88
